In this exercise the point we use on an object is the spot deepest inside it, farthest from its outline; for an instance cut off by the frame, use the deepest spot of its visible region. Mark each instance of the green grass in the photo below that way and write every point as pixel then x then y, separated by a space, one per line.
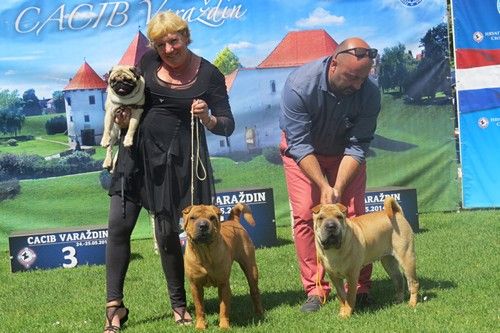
pixel 35 147
pixel 74 200
pixel 35 125
pixel 430 166
pixel 46 145
pixel 457 264
pixel 257 173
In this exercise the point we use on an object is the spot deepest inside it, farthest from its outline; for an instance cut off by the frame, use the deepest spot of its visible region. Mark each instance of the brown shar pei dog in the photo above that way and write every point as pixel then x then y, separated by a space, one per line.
pixel 346 245
pixel 211 248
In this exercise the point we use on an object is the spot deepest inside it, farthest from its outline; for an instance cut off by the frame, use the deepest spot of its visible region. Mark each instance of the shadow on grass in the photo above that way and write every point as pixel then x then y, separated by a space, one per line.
pixel 283 242
pixel 136 256
pixel 422 231
pixel 383 293
pixel 149 320
pixel 242 314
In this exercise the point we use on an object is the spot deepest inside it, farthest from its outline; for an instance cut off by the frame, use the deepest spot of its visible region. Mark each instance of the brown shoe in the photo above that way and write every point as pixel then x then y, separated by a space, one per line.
pixel 182 319
pixel 111 312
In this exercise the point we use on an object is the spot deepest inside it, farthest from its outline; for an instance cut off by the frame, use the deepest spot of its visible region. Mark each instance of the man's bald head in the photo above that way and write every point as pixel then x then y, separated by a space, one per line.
pixel 347 70
pixel 348 44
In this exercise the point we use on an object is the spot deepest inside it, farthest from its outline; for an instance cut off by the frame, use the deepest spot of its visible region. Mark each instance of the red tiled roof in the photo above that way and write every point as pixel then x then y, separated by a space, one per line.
pixel 86 78
pixel 135 50
pixel 300 47
pixel 230 78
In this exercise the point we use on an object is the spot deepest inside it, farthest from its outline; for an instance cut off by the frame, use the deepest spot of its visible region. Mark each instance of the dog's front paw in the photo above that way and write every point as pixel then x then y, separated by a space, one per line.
pixel 345 312
pixel 107 163
pixel 200 324
pixel 413 300
pixel 224 323
pixel 105 141
pixel 128 142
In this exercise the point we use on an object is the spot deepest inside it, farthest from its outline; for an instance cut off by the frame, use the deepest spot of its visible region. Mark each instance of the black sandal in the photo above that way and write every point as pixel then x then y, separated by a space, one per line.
pixel 110 314
pixel 182 321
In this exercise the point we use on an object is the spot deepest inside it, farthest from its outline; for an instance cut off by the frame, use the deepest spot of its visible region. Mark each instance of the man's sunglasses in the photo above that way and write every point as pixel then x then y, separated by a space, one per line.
pixel 360 52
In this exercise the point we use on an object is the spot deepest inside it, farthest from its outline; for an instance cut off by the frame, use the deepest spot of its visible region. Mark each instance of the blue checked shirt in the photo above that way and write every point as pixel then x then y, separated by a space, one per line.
pixel 315 121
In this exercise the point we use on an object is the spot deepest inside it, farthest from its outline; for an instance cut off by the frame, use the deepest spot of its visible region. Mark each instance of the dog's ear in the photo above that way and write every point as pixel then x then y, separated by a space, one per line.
pixel 316 208
pixel 342 208
pixel 108 75
pixel 136 71
pixel 216 211
pixel 186 210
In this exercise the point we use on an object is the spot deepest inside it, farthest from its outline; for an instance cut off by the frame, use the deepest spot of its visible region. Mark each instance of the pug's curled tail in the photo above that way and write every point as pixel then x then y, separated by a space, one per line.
pixel 242 208
pixel 391 207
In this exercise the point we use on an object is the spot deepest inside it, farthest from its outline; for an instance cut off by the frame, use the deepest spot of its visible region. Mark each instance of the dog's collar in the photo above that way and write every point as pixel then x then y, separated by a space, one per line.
pixel 135 106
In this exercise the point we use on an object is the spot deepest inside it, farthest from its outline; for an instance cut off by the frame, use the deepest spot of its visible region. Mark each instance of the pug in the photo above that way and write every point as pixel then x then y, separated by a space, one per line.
pixel 125 91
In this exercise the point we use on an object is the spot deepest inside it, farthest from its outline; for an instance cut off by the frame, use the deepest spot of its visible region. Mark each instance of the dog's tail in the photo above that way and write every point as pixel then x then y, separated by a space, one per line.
pixel 391 207
pixel 241 208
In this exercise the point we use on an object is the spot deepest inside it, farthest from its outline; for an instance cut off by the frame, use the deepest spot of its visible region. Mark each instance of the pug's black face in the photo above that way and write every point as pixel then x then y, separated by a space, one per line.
pixel 123 79
pixel 123 87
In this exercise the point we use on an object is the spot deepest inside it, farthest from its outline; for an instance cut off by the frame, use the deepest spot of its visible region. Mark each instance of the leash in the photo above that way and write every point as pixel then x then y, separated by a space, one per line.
pixel 318 280
pixel 195 124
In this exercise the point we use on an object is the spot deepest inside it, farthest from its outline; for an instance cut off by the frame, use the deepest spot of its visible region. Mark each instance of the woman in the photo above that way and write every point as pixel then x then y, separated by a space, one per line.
pixel 157 172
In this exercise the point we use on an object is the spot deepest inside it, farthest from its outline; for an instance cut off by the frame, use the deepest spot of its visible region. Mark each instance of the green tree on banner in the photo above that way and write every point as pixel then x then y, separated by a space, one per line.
pixel 396 66
pixel 11 117
pixel 31 103
pixel 433 71
pixel 58 101
pixel 226 61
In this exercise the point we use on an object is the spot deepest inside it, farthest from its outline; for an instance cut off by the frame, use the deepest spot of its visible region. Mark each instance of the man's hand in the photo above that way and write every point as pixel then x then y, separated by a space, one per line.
pixel 329 195
pixel 122 117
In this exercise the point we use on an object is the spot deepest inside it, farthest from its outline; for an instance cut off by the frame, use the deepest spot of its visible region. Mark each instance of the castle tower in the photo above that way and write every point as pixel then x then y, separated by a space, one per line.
pixel 84 98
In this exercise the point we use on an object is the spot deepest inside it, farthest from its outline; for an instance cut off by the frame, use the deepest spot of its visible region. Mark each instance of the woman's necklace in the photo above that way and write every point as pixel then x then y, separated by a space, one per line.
pixel 181 71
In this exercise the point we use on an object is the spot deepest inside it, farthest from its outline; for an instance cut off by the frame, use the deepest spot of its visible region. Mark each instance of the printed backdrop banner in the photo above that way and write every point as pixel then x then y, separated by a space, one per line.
pixel 55 56
pixel 477 43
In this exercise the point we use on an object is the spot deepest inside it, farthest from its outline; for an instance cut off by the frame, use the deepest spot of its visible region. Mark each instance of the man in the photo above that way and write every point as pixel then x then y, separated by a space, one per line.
pixel 329 109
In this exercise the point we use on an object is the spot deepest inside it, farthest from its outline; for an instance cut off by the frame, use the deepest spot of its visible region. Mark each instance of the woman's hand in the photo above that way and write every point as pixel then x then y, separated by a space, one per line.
pixel 122 117
pixel 199 108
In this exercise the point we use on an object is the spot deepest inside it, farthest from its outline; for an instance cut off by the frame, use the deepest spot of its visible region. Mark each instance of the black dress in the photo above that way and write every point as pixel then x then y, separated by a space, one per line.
pixel 156 171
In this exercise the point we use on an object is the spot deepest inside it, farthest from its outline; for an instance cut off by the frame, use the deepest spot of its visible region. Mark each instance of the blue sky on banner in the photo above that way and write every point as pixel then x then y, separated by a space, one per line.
pixel 45 42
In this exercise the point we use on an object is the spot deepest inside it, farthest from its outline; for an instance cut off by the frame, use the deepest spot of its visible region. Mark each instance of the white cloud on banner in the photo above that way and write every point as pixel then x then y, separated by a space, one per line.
pixel 81 16
pixel 9 72
pixel 240 45
pixel 320 17
pixel 20 58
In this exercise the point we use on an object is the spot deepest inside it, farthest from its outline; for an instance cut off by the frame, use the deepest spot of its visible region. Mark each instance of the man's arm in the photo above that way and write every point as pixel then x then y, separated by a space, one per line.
pixel 310 167
pixel 348 169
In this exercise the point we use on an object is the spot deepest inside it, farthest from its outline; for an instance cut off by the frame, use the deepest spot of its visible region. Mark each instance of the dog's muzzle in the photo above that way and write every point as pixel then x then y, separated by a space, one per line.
pixel 331 234
pixel 202 232
pixel 122 87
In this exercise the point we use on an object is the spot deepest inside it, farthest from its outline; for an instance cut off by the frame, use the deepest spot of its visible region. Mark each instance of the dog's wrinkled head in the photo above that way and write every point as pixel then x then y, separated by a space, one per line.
pixel 123 79
pixel 201 223
pixel 329 225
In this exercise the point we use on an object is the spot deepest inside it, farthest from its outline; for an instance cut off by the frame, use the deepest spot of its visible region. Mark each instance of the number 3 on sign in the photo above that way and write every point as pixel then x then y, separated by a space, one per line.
pixel 70 256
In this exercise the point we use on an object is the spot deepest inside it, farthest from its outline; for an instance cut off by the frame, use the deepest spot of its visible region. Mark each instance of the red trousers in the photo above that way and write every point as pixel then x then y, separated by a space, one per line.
pixel 304 195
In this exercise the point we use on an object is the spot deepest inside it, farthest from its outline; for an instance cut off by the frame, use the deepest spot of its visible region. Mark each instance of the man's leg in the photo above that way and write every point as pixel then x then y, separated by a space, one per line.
pixel 303 197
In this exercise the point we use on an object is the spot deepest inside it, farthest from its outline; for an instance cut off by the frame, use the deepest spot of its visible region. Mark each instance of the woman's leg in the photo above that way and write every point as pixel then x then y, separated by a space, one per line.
pixel 169 246
pixel 167 235
pixel 118 254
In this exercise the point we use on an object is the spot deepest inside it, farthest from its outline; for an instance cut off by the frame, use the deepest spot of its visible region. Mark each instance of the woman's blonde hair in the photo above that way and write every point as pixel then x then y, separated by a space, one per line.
pixel 165 23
